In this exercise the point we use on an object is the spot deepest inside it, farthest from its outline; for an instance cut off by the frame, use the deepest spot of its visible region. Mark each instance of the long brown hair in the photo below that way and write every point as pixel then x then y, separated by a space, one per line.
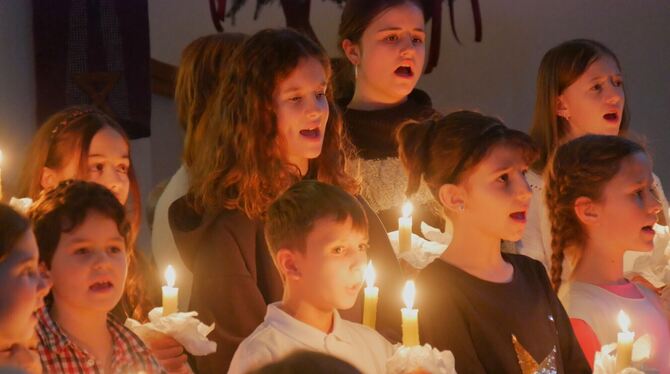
pixel 201 66
pixel 239 164
pixel 580 168
pixel 560 67
pixel 442 151
pixel 68 134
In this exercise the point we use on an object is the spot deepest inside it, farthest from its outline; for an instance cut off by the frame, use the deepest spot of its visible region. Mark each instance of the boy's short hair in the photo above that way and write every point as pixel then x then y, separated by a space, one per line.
pixel 65 207
pixel 308 362
pixel 291 217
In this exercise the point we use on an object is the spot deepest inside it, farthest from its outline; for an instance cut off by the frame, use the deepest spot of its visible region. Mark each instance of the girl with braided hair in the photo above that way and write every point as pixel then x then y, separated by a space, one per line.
pixel 601 203
pixel 580 90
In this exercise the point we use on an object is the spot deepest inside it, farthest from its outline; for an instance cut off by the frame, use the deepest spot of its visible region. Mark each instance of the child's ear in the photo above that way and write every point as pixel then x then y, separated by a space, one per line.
pixel 286 262
pixel 452 197
pixel 48 179
pixel 352 51
pixel 561 109
pixel 587 210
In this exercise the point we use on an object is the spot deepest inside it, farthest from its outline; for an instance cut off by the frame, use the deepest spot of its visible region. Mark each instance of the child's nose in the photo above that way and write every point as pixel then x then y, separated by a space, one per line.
pixel 655 206
pixel 317 109
pixel 360 260
pixel 615 94
pixel 524 193
pixel 112 180
pixel 407 48
pixel 101 259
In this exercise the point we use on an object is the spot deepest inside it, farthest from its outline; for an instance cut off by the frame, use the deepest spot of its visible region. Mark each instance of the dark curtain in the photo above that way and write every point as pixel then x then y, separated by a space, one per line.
pixel 94 52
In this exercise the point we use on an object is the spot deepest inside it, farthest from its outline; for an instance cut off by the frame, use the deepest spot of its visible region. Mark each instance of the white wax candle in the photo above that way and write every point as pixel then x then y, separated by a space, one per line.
pixel 405 228
pixel 624 348
pixel 371 297
pixel 410 317
pixel 170 293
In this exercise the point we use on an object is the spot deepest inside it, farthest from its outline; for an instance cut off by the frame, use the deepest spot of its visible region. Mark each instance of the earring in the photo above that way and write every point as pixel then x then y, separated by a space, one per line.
pixel 356 71
pixel 461 207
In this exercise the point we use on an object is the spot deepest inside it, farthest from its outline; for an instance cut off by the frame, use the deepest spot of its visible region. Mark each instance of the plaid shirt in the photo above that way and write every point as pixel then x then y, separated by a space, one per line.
pixel 60 355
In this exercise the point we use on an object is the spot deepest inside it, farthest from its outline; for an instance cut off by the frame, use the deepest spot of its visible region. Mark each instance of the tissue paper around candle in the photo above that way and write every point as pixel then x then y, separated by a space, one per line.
pixel 170 293
pixel 371 295
pixel 410 317
pixel 405 228
pixel 624 350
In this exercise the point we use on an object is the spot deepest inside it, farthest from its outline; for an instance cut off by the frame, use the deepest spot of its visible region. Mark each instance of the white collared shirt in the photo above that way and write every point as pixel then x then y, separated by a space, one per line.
pixel 280 335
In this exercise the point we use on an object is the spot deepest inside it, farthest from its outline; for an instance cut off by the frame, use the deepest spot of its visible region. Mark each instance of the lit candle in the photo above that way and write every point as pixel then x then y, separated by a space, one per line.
pixel 0 175
pixel 405 228
pixel 410 317
pixel 371 296
pixel 170 292
pixel 624 348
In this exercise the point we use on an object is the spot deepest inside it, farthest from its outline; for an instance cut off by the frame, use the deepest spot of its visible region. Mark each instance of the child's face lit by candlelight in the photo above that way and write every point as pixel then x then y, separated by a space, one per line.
pixel 627 210
pixel 301 107
pixel 108 164
pixel 89 266
pixel 494 195
pixel 389 57
pixel 329 273
pixel 22 290
pixel 593 104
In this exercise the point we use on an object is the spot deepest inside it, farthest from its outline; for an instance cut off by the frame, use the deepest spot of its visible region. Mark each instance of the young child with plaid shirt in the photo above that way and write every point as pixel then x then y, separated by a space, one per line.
pixel 82 233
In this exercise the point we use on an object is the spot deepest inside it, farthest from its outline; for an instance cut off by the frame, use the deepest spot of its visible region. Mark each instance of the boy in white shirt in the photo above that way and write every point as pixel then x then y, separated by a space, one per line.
pixel 317 235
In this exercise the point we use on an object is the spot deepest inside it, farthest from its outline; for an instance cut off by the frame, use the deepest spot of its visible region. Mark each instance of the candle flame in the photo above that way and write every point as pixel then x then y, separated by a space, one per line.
pixel 370 275
pixel 624 321
pixel 408 294
pixel 170 276
pixel 407 209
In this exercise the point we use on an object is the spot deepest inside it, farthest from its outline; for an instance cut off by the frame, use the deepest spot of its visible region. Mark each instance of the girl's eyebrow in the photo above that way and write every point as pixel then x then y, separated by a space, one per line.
pixel 600 77
pixel 117 239
pixel 74 241
pixel 296 88
pixel 393 28
pixel 99 155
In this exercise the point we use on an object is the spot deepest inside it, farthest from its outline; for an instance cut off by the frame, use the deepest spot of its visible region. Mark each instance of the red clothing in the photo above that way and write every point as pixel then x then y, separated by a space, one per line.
pixel 586 337
pixel 59 354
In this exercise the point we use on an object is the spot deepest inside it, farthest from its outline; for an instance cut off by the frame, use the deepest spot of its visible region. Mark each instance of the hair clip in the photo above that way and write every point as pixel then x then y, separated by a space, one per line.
pixel 75 114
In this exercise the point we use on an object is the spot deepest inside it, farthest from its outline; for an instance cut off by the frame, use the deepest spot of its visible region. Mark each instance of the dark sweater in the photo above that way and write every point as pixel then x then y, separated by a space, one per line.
pixel 234 278
pixel 372 132
pixel 475 319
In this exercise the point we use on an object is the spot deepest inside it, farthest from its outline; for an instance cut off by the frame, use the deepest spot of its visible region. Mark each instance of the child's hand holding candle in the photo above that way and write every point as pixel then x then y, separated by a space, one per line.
pixel 170 292
pixel 371 297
